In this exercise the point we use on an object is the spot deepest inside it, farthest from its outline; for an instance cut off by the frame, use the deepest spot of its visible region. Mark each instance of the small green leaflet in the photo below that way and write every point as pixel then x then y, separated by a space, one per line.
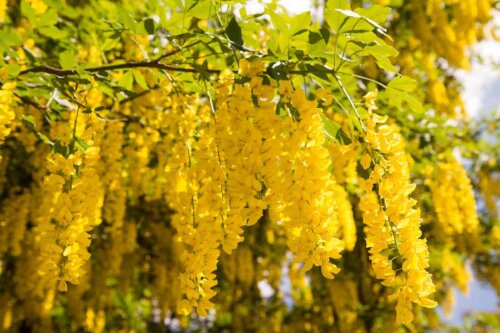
pixel 330 128
pixel 67 59
pixel 149 26
pixel 398 91
pixel 233 32
pixel 334 132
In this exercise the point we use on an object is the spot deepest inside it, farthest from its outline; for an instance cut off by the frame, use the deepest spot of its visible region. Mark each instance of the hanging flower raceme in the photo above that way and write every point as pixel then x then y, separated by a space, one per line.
pixel 307 205
pixel 7 114
pixel 453 198
pixel 392 220
pixel 234 169
pixel 239 142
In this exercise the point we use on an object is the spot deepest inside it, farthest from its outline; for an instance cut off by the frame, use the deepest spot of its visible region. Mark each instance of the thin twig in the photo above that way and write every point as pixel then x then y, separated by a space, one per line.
pixel 41 108
pixel 344 90
pixel 169 54
pixel 142 93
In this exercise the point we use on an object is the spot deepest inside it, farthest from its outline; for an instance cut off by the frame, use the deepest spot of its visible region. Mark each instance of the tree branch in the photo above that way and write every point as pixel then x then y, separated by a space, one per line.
pixel 139 64
pixel 28 101
pixel 142 93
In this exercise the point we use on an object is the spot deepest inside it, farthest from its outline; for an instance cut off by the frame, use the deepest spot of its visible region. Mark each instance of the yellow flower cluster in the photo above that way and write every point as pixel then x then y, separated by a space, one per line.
pixel 197 198
pixel 71 197
pixel 307 205
pixel 344 173
pixel 38 5
pixel 229 163
pixel 392 221
pixel 74 201
pixel 453 198
pixel 7 114
pixel 378 237
pixel 3 9
pixel 442 29
pixel 345 216
pixel 114 205
pixel 449 39
pixel 239 141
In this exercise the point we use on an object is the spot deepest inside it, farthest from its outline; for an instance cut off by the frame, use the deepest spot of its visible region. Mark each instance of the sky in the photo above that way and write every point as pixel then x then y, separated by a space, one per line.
pixel 481 95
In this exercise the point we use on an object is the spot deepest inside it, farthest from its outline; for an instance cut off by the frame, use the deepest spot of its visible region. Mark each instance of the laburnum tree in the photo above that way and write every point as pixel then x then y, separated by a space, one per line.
pixel 194 165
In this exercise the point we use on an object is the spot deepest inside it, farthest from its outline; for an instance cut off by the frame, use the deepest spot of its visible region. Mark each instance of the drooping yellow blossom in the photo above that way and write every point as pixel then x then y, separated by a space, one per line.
pixel 7 114
pixel 392 220
pixel 345 216
pixel 307 205
pixel 3 9
pixel 453 198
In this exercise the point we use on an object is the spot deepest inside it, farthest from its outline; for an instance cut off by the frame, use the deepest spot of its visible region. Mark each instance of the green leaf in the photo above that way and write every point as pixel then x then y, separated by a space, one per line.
pixel 375 13
pixel 233 32
pixel 60 149
pixel 202 9
pixel 30 55
pixel 10 38
pixel 13 70
pixel 139 78
pixel 403 83
pixel 53 32
pixel 300 23
pixel 343 138
pixel 277 70
pixel 47 19
pixel 190 4
pixel 332 16
pixel 316 45
pixel 109 44
pixel 29 122
pixel 318 70
pixel 67 59
pixel 82 143
pixel 28 12
pixel 127 80
pixel 126 19
pixel 381 53
pixel 382 61
pixel 279 22
pixel 363 113
pixel 330 127
pixel 399 91
pixel 325 33
pixel 149 26
pixel 350 13
pixel 414 104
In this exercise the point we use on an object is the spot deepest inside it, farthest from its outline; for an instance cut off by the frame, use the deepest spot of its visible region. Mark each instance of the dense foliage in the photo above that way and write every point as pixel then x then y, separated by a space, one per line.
pixel 171 165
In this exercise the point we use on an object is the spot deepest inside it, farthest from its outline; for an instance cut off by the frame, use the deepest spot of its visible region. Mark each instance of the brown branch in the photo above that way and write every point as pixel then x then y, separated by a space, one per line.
pixel 28 101
pixel 140 64
pixel 169 54
pixel 142 93
pixel 39 107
